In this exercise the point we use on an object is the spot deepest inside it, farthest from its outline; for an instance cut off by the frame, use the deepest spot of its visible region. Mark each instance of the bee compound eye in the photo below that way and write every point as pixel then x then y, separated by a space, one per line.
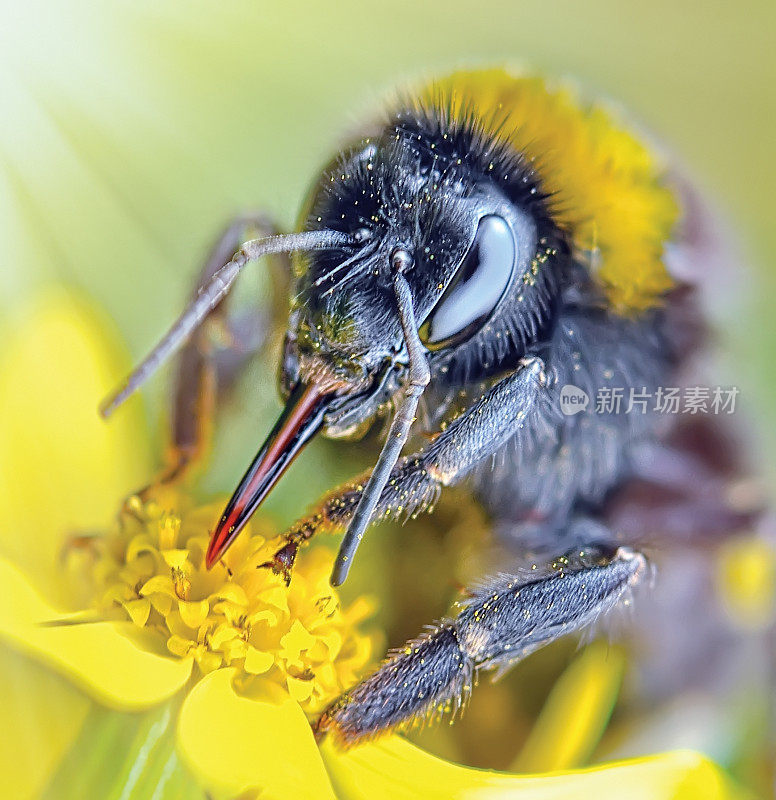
pixel 401 259
pixel 478 285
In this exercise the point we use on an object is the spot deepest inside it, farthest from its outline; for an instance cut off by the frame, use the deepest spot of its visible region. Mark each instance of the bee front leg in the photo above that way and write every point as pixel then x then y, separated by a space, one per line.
pixel 499 623
pixel 213 357
pixel 517 403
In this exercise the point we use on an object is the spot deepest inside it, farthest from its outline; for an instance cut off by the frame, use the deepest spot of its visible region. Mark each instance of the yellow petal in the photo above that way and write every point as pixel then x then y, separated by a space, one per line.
pixel 265 615
pixel 169 528
pixel 139 544
pixel 275 596
pixel 207 661
pixel 234 593
pixel 233 649
pixel 223 633
pixel 159 584
pixel 257 661
pixel 162 603
pixel 394 769
pixel 62 468
pixel 179 646
pixel 298 689
pixel 234 744
pixel 40 716
pixel 297 639
pixel 193 612
pixel 326 646
pixel 360 609
pixel 107 664
pixel 326 675
pixel 138 610
pixel 175 558
pixel 576 712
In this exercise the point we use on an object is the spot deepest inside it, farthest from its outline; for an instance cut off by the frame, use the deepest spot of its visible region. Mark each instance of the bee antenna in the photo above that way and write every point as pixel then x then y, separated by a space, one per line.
pixel 209 296
pixel 418 378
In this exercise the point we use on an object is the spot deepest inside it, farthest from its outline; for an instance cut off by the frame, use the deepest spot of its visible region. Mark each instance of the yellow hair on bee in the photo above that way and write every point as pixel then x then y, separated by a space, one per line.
pixel 608 189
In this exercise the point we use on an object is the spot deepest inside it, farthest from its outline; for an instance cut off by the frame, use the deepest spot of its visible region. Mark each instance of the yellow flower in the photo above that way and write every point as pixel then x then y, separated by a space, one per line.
pixel 231 661
pixel 160 612
pixel 298 638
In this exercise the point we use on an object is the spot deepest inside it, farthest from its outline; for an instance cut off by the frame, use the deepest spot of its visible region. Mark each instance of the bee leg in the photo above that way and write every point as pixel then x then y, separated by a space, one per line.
pixel 212 359
pixel 498 623
pixel 515 403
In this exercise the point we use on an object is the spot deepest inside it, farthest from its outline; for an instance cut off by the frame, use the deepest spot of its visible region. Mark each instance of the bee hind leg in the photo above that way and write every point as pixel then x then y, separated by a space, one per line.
pixel 497 624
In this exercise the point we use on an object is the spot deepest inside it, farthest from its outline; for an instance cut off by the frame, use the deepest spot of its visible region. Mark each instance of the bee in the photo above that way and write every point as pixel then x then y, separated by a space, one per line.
pixel 490 248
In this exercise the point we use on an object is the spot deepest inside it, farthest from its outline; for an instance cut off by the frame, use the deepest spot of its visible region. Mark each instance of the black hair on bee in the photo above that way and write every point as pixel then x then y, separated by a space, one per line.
pixel 408 180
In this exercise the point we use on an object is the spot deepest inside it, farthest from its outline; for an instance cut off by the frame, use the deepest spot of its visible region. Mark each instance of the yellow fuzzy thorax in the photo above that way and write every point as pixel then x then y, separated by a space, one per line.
pixel 608 190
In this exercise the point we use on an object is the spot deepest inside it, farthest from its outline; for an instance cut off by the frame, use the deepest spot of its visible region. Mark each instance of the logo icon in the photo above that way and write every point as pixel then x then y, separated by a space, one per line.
pixel 573 400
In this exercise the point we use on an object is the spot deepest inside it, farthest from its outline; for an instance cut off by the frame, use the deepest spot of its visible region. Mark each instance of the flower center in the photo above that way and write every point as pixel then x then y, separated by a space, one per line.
pixel 151 570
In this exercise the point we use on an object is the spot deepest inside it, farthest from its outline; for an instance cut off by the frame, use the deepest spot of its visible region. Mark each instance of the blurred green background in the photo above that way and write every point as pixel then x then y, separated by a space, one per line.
pixel 132 131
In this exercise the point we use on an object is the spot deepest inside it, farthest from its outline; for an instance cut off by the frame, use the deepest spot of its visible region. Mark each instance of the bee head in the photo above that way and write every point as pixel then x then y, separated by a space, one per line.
pixel 464 218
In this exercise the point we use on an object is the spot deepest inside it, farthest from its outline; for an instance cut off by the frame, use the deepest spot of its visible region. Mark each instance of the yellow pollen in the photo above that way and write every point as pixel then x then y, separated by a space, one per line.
pixel 150 571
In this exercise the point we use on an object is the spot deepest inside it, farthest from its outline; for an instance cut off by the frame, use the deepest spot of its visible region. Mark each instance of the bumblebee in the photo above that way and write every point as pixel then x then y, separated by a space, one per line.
pixel 489 244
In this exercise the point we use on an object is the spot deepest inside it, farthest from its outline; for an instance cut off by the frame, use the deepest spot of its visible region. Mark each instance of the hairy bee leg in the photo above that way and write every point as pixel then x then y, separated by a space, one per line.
pixel 502 621
pixel 415 482
pixel 203 371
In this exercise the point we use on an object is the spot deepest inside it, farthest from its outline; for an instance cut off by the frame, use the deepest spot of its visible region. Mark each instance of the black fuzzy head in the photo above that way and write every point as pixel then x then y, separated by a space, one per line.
pixel 453 196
